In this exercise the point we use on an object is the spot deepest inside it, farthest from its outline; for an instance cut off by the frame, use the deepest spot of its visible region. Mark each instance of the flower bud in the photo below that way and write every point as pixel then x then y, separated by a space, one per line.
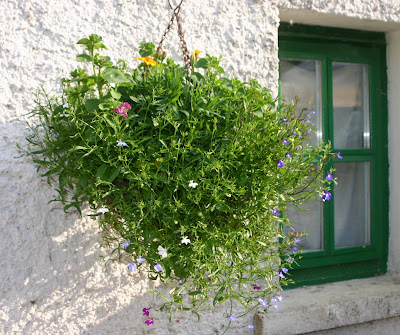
pixel 158 53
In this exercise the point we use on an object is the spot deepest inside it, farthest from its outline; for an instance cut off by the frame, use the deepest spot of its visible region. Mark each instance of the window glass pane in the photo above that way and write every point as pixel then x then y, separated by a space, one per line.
pixel 350 105
pixel 310 222
pixel 352 201
pixel 302 78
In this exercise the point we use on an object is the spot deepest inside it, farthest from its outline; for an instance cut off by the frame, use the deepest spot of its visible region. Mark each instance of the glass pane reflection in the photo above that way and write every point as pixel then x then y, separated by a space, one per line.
pixel 350 105
pixel 352 203
pixel 302 78
pixel 310 222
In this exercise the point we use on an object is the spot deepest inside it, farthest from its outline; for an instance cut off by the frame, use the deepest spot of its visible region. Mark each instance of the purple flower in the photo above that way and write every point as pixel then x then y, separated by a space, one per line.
pixel 329 176
pixel 297 240
pixel 121 144
pixel 339 155
pixel 284 120
pixel 262 302
pixel 250 326
pixel 294 133
pixel 232 318
pixel 181 281
pixel 131 266
pixel 279 297
pixel 288 155
pixel 255 287
pixel 146 311
pixel 280 164
pixel 141 260
pixel 157 267
pixel 314 112
pixel 276 307
pixel 149 321
pixel 326 196
pixel 274 300
pixel 126 244
pixel 275 211
pixel 289 259
pixel 285 142
pixel 284 270
pixel 281 275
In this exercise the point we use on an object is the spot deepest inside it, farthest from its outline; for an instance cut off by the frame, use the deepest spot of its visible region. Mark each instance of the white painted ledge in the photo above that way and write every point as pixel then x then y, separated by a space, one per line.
pixel 321 307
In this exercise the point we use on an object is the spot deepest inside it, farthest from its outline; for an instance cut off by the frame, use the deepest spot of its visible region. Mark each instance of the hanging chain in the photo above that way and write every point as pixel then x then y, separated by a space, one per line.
pixel 185 52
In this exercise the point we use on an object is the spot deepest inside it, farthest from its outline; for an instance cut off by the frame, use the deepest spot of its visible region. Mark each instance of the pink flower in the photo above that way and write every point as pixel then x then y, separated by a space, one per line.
pixel 149 321
pixel 255 287
pixel 146 311
pixel 123 109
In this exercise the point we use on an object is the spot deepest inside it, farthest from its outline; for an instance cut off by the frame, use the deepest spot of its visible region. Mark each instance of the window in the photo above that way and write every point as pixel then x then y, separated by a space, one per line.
pixel 341 73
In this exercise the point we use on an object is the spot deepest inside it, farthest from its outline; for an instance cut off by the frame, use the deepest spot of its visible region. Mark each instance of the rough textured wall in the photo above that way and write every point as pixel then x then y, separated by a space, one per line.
pixel 52 279
pixel 381 10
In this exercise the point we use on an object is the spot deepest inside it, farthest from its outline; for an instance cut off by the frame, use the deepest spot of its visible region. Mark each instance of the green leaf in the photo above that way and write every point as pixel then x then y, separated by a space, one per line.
pixel 201 63
pixel 83 58
pixel 115 94
pixel 84 41
pixel 115 76
pixel 219 295
pixel 92 104
pixel 146 49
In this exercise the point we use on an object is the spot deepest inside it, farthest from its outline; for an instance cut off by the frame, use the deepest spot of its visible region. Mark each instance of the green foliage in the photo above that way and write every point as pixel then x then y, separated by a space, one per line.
pixel 223 134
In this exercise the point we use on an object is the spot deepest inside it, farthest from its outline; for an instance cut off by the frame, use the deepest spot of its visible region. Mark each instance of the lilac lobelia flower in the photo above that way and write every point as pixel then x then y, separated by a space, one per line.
pixel 338 155
pixel 141 260
pixel 280 164
pixel 232 318
pixel 281 275
pixel 288 155
pixel 297 240
pixel 329 176
pixel 275 211
pixel 285 142
pixel 289 260
pixel 326 196
pixel 131 267
pixel 126 244
pixel 284 270
pixel 284 120
pixel 146 311
pixel 121 144
pixel 250 326
pixel 157 267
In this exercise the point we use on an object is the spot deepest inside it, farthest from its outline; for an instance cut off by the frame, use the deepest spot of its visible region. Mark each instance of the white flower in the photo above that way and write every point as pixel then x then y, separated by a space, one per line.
pixel 162 251
pixel 112 85
pixel 192 184
pixel 66 105
pixel 121 144
pixel 102 210
pixel 185 240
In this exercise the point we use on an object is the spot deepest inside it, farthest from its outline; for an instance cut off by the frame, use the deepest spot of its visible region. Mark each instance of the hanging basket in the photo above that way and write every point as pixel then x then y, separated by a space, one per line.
pixel 188 172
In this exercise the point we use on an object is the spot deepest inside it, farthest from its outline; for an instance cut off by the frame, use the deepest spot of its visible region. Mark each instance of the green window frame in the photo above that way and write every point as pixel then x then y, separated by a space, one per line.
pixel 328 46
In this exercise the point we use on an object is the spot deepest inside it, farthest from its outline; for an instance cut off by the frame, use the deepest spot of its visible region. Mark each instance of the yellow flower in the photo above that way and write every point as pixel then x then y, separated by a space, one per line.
pixel 197 52
pixel 147 60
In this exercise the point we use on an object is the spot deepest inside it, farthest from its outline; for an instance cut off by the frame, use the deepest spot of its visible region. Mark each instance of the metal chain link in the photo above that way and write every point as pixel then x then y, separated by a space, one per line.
pixel 185 52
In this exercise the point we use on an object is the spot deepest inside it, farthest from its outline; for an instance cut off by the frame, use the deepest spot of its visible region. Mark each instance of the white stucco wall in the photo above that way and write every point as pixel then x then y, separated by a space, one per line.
pixel 52 280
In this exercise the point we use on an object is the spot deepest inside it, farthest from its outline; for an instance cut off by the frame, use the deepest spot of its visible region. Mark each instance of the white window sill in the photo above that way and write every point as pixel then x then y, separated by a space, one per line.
pixel 328 306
